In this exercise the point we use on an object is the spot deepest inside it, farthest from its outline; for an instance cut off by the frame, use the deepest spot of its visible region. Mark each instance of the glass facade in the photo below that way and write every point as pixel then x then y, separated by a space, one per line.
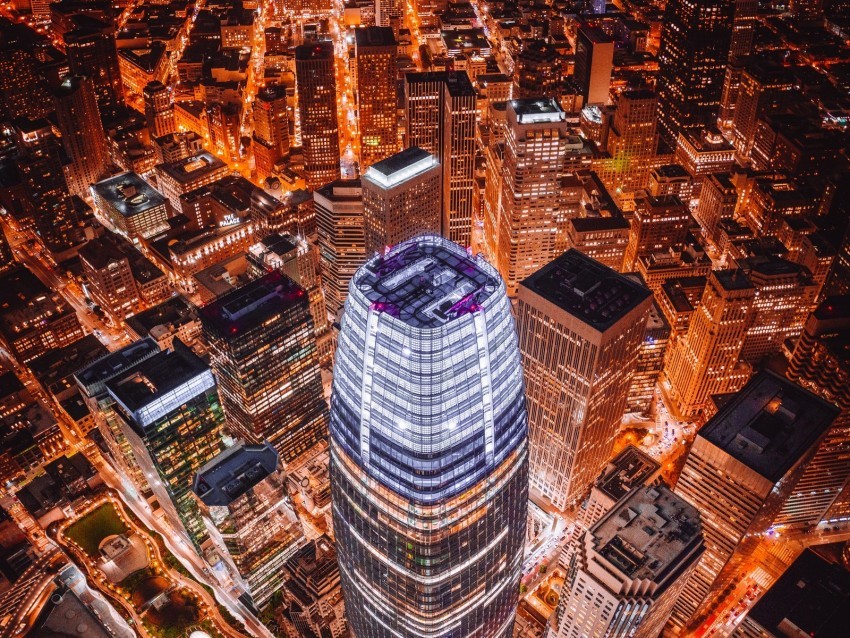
pixel 429 447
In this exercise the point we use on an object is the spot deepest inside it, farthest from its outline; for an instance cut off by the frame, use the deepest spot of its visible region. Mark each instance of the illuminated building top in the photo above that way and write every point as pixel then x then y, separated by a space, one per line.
pixel 537 111
pixel 128 194
pixel 401 167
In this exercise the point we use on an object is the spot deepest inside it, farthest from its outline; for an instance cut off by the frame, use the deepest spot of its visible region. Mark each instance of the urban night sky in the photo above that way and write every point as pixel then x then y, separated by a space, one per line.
pixel 424 318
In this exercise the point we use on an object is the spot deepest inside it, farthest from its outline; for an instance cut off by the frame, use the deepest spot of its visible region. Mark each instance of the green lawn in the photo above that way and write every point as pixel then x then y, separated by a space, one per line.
pixel 89 531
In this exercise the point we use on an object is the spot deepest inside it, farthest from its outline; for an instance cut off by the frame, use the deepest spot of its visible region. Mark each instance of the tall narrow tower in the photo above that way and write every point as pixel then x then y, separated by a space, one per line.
pixel 159 110
pixel 428 447
pixel 316 81
pixel 375 52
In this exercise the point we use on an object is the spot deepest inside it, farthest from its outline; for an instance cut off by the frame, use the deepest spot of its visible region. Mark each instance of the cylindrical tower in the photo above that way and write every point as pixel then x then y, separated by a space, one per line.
pixel 429 456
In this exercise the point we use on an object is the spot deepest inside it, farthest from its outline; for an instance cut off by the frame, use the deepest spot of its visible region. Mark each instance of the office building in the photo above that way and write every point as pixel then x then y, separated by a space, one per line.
pixel 764 88
pixel 581 326
pixel 537 72
pixel 83 137
pixel 342 238
pixel 440 111
pixel 631 144
pixel 650 362
pixel 429 467
pixel 270 141
pixel 243 500
pixel 91 52
pixel 401 198
pixel 131 206
pixel 820 363
pixel 264 355
pixel 812 597
pixel 630 567
pixel 659 224
pixel 168 411
pixel 705 360
pixel 718 201
pixel 315 79
pixel 692 59
pixel 530 189
pixel 159 109
pixel 593 64
pixel 375 51
pixel 744 23
pixel 743 465
pixel 185 175
pixel 176 317
pixel 7 259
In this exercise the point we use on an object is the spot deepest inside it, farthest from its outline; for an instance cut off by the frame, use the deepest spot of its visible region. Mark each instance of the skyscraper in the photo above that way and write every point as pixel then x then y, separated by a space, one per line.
pixel 342 238
pixel 695 40
pixel 440 113
pixel 244 504
pixel 271 128
pixel 159 110
pixel 316 82
pixel 428 447
pixel 401 198
pixel 169 412
pixel 91 52
pixel 703 361
pixel 537 71
pixel 594 64
pixel 581 326
pixel 264 356
pixel 7 260
pixel 375 51
pixel 743 465
pixel 82 134
pixel 659 224
pixel 530 190
pixel 631 566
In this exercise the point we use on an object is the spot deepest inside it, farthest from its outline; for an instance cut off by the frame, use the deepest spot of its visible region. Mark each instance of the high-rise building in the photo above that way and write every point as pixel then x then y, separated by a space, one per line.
pixel 342 238
pixel 315 79
pixel 632 141
pixel 630 567
pixel 264 355
pixel 695 40
pixel 530 189
pixel 581 326
pixel 7 260
pixel 243 500
pixel 271 128
pixel 429 465
pixel 537 71
pixel 401 198
pixel 82 134
pixel 764 87
pixel 388 13
pixel 440 113
pixel 744 23
pixel 23 91
pixel 650 362
pixel 659 224
pixel 743 465
pixel 375 51
pixel 159 110
pixel 717 202
pixel 820 363
pixel 91 52
pixel 169 412
pixel 594 64
pixel 703 361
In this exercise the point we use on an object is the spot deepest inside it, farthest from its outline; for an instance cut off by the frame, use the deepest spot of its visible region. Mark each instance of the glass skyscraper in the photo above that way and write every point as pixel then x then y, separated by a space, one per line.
pixel 429 452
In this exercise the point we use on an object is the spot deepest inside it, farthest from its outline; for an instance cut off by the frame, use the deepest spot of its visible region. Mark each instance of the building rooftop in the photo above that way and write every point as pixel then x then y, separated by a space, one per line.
pixel 58 364
pixel 233 472
pixel 314 51
pixel 647 534
pixel 174 311
pixel 629 469
pixel 128 194
pixel 401 167
pixel 156 386
pixel 458 82
pixel 93 377
pixel 248 307
pixel 374 37
pixel 342 190
pixel 191 168
pixel 537 110
pixel 586 289
pixel 811 598
pixel 427 281
pixel 769 424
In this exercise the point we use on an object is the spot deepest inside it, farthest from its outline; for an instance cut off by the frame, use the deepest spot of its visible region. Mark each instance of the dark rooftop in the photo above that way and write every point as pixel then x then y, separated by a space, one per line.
pixel 315 51
pixel 374 37
pixel 586 289
pixel 128 194
pixel 93 377
pixel 249 306
pixel 629 469
pixel 769 424
pixel 427 281
pixel 812 596
pixel 176 310
pixel 233 472
pixel 190 168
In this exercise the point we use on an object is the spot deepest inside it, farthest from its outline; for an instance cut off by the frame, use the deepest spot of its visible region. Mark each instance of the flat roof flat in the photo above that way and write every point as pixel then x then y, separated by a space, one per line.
pixel 93 377
pixel 128 194
pixel 233 472
pixel 401 167
pixel 189 168
pixel 537 110
pixel 587 289
pixel 769 424
pixel 629 469
pixel 427 281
